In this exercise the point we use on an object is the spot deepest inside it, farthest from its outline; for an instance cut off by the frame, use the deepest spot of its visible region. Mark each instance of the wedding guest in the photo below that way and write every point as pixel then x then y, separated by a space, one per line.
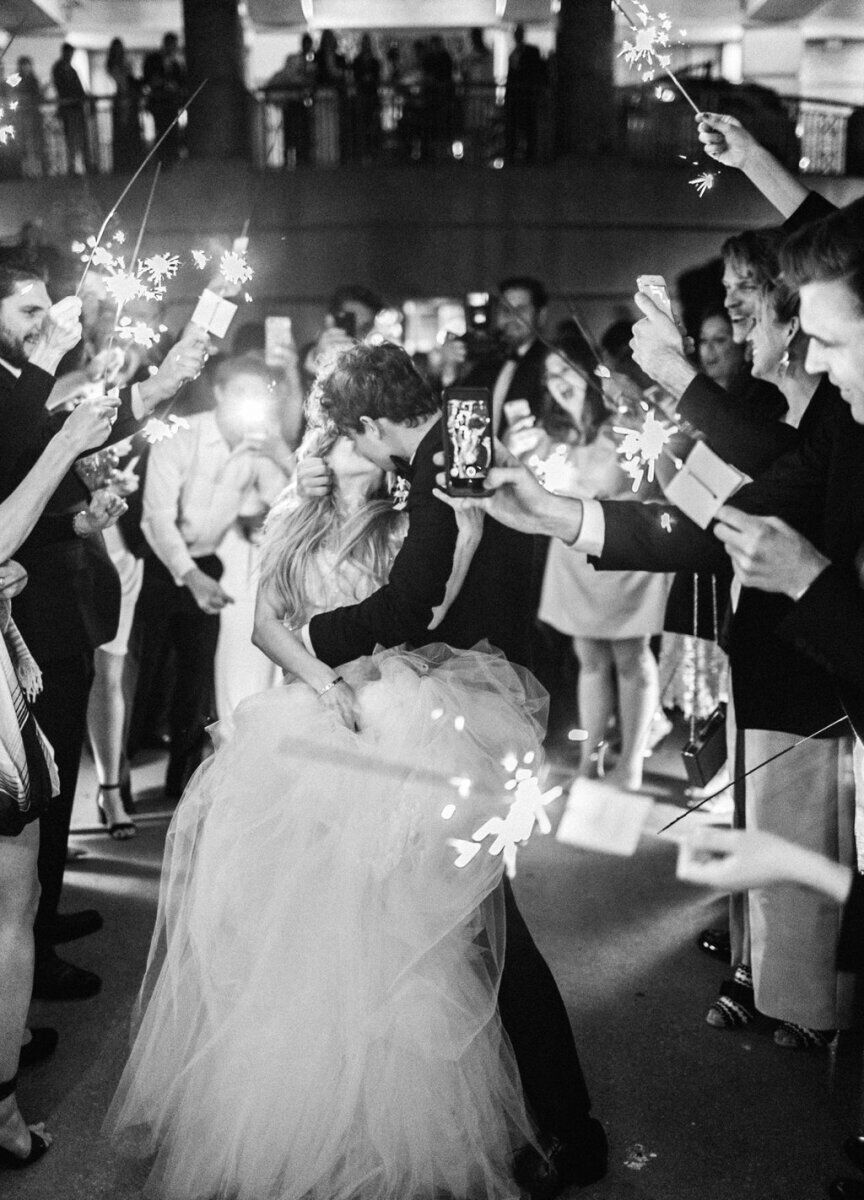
pixel 366 70
pixel 164 80
pixel 526 76
pixel 28 780
pixel 71 101
pixel 71 603
pixel 197 485
pixel 720 356
pixel 29 131
pixel 292 87
pixel 126 138
pixel 611 617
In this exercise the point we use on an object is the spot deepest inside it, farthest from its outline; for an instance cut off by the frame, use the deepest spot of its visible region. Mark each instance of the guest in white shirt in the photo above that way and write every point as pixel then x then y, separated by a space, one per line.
pixel 198 483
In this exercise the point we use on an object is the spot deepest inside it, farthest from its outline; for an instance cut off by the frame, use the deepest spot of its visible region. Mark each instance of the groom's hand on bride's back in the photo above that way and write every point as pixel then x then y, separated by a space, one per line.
pixel 314 478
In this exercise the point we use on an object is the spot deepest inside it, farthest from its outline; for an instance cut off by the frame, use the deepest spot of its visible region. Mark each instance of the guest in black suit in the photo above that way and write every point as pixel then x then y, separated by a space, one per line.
pixel 377 398
pixel 515 378
pixel 72 602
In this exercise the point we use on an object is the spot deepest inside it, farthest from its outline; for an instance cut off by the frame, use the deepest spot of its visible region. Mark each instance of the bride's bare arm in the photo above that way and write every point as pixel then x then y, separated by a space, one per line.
pixel 286 649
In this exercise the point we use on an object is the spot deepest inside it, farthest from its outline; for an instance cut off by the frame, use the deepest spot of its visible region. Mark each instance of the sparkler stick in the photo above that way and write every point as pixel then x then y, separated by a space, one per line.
pixel 666 70
pixel 739 778
pixel 135 252
pixel 128 186
pixel 589 338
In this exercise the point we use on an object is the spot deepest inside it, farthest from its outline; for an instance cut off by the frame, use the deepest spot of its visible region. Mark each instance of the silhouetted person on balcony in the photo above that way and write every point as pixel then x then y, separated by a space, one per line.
pixel 366 69
pixel 328 113
pixel 438 75
pixel 71 101
pixel 526 75
pixel 165 81
pixel 126 125
pixel 478 84
pixel 295 83
pixel 29 131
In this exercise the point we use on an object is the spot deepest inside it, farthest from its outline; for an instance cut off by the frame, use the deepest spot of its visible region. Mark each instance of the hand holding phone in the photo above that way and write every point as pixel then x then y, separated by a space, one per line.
pixel 654 286
pixel 468 452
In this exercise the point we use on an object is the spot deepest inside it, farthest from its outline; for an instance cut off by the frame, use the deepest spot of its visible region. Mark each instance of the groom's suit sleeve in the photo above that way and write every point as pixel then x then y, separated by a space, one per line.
pixel 401 610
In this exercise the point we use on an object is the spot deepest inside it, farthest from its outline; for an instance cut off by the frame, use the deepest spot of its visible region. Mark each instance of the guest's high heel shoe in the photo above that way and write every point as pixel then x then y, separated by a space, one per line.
pixel 121 827
pixel 39 1143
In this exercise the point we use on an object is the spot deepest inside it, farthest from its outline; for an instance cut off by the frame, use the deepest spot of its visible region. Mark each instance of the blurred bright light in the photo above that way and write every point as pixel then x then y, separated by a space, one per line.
pixel 458 150
pixel 498 163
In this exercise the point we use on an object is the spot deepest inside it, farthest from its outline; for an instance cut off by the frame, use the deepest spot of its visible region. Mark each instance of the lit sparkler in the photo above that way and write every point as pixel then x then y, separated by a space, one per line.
pixel 640 448
pixel 157 430
pixel 234 268
pixel 645 51
pixel 160 267
pixel 703 183
pixel 200 259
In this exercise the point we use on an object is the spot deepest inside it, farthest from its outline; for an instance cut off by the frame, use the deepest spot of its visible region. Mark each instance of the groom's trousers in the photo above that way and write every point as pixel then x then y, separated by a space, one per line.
pixel 536 1022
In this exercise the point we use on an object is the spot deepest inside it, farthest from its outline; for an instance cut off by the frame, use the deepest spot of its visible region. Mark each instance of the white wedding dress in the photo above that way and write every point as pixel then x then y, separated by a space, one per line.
pixel 319 1018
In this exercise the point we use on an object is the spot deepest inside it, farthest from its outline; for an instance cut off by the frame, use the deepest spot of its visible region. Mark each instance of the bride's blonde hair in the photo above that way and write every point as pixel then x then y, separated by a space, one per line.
pixel 296 530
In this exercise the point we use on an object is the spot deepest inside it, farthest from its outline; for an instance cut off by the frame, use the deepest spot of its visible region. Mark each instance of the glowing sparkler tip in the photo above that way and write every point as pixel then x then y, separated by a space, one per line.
pixel 703 183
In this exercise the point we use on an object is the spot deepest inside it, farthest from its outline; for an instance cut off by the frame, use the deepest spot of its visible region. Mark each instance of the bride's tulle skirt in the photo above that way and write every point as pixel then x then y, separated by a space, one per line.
pixel 319 1014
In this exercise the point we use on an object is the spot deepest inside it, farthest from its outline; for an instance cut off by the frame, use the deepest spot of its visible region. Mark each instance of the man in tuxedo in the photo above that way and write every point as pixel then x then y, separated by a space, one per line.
pixel 376 397
pixel 516 384
pixel 71 604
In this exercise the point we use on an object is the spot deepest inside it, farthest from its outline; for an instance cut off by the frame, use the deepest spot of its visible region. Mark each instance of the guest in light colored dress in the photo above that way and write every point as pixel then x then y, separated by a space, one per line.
pixel 611 615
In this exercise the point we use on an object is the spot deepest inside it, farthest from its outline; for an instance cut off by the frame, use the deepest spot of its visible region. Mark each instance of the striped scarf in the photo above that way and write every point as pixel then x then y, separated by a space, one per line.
pixel 23 681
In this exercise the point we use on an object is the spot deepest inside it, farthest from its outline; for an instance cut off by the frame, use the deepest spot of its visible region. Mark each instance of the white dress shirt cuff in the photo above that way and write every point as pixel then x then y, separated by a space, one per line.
pixel 592 534
pixel 306 639
pixel 136 402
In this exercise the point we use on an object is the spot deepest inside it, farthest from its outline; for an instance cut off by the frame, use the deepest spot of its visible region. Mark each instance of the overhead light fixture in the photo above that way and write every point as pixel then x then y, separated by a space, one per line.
pixel 308 14
pixel 555 7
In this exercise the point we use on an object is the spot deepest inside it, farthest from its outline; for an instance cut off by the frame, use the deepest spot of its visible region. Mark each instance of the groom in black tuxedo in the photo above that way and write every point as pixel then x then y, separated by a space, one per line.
pixel 375 396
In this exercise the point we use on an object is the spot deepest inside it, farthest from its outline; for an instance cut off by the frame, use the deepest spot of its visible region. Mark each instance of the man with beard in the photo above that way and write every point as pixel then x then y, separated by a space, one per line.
pixel 72 600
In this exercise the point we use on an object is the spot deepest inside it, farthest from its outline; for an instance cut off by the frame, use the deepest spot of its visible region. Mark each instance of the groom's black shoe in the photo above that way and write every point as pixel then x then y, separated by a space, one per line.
pixel 563 1164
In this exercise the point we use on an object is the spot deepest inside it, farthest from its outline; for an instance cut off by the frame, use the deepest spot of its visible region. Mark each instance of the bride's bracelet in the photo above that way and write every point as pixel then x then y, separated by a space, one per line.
pixel 330 685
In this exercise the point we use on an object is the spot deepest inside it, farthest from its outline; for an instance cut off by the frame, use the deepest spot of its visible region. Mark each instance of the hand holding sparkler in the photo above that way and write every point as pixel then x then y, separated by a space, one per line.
pixel 733 860
pixel 659 348
pixel 61 331
pixel 88 425
pixel 105 509
pixel 183 362
pixel 725 139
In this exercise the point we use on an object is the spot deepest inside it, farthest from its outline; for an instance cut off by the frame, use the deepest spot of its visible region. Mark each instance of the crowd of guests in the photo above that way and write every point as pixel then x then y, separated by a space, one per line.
pixel 338 106
pixel 160 90
pixel 134 575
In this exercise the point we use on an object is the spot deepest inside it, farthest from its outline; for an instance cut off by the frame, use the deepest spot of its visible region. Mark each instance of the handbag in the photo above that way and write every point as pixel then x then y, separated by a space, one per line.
pixel 705 752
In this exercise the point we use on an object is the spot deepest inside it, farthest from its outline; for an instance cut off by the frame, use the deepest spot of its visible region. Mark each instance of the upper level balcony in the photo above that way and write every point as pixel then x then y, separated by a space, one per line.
pixel 290 129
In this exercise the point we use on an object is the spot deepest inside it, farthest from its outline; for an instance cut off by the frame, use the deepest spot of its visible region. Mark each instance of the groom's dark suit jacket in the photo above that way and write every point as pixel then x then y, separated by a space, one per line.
pixel 493 603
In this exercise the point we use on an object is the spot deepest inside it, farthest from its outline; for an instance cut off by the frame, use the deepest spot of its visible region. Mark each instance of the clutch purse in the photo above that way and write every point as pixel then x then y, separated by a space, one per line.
pixel 705 753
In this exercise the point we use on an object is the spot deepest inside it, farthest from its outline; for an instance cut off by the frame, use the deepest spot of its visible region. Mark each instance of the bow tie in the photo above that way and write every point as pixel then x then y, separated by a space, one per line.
pixel 402 467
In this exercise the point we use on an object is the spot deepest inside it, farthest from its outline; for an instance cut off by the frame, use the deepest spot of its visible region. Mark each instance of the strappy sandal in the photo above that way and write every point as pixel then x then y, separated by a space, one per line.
pixel 735 1007
pixel 39 1145
pixel 120 831
pixel 798 1037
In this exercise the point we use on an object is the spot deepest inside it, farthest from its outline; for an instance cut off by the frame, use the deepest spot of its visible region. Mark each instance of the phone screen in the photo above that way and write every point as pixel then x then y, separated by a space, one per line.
pixel 467 440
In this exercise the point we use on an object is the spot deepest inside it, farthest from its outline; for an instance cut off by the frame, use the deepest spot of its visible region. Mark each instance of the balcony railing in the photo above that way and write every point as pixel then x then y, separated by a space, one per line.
pixel 297 128
pixel 818 137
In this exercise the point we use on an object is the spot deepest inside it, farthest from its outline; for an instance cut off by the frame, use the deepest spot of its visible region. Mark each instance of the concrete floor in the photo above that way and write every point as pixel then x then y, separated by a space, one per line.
pixel 692 1113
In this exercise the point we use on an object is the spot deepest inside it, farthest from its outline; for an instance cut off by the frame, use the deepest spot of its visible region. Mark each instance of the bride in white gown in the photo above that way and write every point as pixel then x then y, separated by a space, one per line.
pixel 318 1018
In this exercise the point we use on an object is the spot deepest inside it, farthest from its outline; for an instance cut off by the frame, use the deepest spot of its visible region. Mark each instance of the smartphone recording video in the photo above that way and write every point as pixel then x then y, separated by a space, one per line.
pixel 467 440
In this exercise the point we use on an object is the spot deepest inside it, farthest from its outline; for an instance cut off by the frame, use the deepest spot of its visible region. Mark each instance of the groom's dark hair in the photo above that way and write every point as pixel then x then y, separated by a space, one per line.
pixel 375 381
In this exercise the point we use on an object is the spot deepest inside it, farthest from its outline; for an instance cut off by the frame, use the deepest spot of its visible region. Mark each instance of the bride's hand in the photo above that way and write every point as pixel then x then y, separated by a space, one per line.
pixel 341 700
